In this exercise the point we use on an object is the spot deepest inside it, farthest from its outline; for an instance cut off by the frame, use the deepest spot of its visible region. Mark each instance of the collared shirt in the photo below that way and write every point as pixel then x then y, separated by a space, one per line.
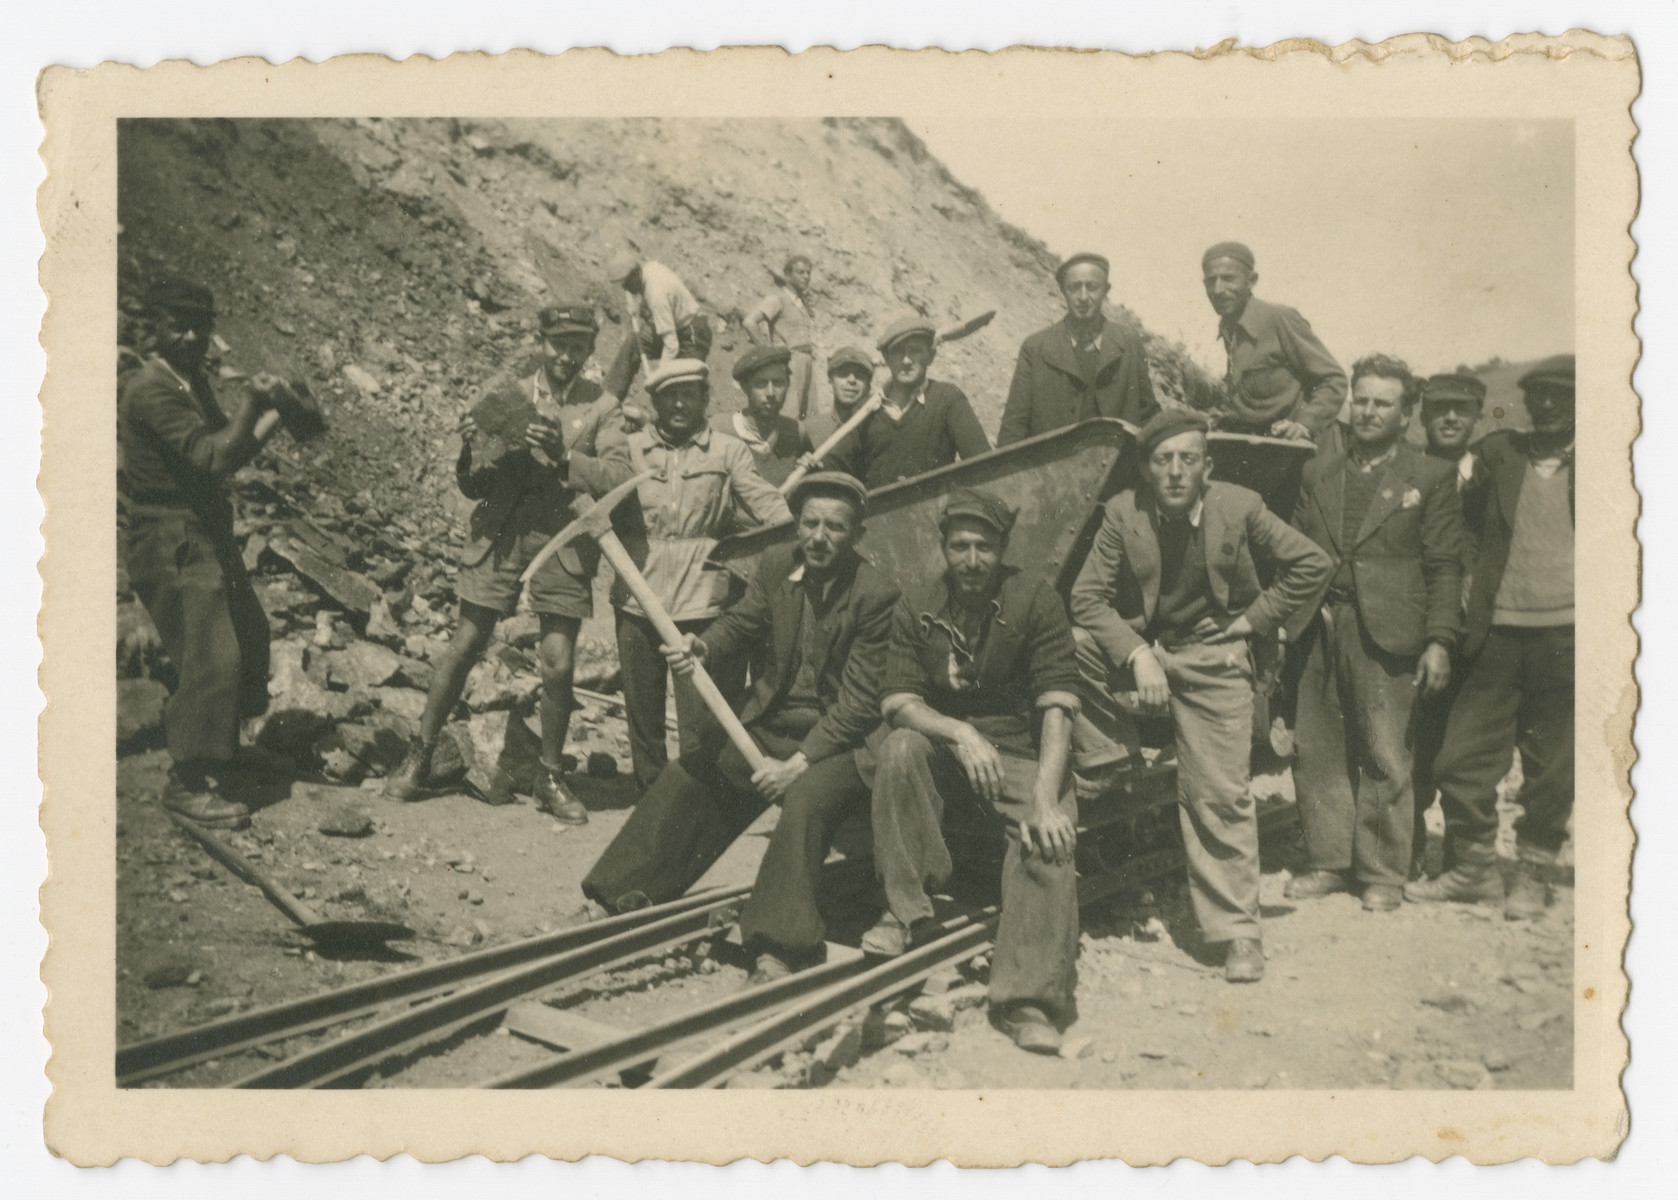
pixel 164 426
pixel 777 455
pixel 1279 369
pixel 1367 466
pixel 790 322
pixel 696 487
pixel 896 413
pixel 666 303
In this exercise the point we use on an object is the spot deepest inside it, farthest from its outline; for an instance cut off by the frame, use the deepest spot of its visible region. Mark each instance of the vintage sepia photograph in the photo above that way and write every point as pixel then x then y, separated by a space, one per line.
pixel 865 600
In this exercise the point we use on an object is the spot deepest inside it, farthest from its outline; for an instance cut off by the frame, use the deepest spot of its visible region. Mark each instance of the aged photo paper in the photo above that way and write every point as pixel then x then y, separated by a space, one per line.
pixel 862 606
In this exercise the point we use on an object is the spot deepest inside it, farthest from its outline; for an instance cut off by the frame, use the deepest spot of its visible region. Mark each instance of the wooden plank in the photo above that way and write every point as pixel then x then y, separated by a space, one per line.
pixel 557 1027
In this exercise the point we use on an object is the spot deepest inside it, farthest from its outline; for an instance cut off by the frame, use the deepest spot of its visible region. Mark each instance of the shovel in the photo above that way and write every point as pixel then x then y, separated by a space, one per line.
pixel 328 935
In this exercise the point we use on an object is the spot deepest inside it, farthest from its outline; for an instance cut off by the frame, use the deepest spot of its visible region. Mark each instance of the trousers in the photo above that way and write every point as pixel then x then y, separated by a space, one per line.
pixel 645 677
pixel 696 810
pixel 693 341
pixel 917 787
pixel 1352 766
pixel 191 578
pixel 1517 695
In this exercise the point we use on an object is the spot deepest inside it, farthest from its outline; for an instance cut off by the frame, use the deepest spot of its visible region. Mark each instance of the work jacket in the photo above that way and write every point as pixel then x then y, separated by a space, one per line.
pixel 1050 389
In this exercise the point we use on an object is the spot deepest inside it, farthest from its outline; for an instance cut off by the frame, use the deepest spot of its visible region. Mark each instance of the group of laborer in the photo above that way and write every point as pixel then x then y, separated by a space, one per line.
pixel 1424 599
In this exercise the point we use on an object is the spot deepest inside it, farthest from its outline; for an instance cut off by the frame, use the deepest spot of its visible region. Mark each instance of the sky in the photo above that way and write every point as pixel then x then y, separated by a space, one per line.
pixel 1441 241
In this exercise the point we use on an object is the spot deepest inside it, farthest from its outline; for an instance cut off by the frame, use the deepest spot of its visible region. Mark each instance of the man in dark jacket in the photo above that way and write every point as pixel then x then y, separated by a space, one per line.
pixel 574 443
pixel 980 689
pixel 1082 366
pixel 814 624
pixel 1282 381
pixel 922 425
pixel 1517 692
pixel 177 453
pixel 1166 605
pixel 1378 641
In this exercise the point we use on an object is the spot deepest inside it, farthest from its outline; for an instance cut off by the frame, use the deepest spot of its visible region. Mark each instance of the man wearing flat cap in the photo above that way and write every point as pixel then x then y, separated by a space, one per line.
pixel 1376 645
pixel 666 321
pixel 1517 660
pixel 776 440
pixel 980 690
pixel 1280 379
pixel 702 480
pixel 1083 366
pixel 923 424
pixel 572 444
pixel 783 318
pixel 1166 606
pixel 814 625
pixel 1451 409
pixel 177 452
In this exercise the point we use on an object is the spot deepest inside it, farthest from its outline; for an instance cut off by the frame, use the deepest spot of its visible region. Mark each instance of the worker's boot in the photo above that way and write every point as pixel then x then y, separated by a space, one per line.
pixel 192 795
pixel 555 799
pixel 1529 892
pixel 407 782
pixel 1474 879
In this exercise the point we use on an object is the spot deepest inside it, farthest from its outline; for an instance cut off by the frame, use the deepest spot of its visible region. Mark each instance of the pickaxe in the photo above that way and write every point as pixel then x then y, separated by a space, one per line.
pixel 868 407
pixel 596 522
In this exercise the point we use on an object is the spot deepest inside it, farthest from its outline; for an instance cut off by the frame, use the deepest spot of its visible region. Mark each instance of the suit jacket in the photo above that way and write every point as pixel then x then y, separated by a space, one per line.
pixel 1504 456
pixel 1407 555
pixel 1117 590
pixel 1049 390
pixel 854 628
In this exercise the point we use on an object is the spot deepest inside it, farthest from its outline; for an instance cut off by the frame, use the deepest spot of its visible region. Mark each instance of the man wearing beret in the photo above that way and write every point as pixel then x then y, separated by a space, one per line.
pixel 1377 642
pixel 775 440
pixel 980 691
pixel 923 424
pixel 1082 366
pixel 1281 380
pixel 1517 659
pixel 667 321
pixel 177 452
pixel 701 480
pixel 814 626
pixel 850 377
pixel 1451 408
pixel 574 445
pixel 782 318
pixel 1166 605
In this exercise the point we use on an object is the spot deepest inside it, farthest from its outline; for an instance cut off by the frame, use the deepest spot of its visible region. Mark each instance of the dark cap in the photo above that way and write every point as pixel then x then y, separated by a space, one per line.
pixel 829 483
pixel 181 296
pixel 573 316
pixel 905 327
pixel 1444 388
pixel 759 356
pixel 978 506
pixel 1085 256
pixel 850 356
pixel 1235 250
pixel 1168 423
pixel 1556 371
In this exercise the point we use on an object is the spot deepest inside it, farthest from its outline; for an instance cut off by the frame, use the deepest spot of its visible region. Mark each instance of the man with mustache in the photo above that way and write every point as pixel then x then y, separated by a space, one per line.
pixel 980 691
pixel 1377 643
pixel 814 623
pixel 1166 605
pixel 1517 660
pixel 177 452
pixel 1082 366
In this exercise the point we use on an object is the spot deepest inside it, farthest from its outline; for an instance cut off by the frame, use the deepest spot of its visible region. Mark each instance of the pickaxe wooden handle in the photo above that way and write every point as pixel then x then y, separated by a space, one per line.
pixel 596 522
pixel 864 410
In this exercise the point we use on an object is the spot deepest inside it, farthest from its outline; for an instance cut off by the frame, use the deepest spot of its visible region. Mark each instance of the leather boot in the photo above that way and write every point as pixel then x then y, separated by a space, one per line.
pixel 555 799
pixel 1474 879
pixel 197 799
pixel 1529 892
pixel 407 782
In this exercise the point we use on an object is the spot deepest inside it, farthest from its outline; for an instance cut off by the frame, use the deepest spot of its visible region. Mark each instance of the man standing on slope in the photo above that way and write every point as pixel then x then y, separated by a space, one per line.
pixel 1282 382
pixel 1080 367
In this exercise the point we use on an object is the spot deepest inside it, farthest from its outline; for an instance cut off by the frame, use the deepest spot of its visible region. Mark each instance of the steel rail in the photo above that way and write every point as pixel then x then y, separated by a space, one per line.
pixel 172 1052
pixel 343 1057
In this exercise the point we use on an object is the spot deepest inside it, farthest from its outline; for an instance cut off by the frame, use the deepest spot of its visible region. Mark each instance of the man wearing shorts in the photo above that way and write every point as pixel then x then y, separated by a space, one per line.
pixel 575 444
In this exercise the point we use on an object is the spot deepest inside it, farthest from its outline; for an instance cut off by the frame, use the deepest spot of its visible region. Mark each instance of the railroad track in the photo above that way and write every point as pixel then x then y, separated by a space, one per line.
pixel 408 1011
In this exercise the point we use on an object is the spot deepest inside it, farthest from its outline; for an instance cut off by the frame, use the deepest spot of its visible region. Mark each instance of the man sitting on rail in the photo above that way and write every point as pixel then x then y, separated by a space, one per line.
pixel 814 622
pixel 981 687
pixel 1166 605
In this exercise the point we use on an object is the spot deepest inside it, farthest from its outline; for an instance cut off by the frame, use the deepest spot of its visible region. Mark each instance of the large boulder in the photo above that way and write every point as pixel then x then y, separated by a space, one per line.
pixel 506 753
pixel 363 664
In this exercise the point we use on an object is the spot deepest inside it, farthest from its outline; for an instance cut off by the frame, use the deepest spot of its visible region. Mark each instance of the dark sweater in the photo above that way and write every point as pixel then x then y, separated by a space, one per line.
pixel 934 431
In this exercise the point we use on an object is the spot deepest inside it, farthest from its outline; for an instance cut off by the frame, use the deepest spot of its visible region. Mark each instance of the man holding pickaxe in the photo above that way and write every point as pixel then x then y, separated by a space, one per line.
pixel 814 623
pixel 665 320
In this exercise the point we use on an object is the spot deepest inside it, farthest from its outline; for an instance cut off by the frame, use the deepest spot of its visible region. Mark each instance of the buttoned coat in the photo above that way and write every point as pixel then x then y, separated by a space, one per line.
pixel 1117 590
pixel 1049 390
pixel 852 634
pixel 1406 556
